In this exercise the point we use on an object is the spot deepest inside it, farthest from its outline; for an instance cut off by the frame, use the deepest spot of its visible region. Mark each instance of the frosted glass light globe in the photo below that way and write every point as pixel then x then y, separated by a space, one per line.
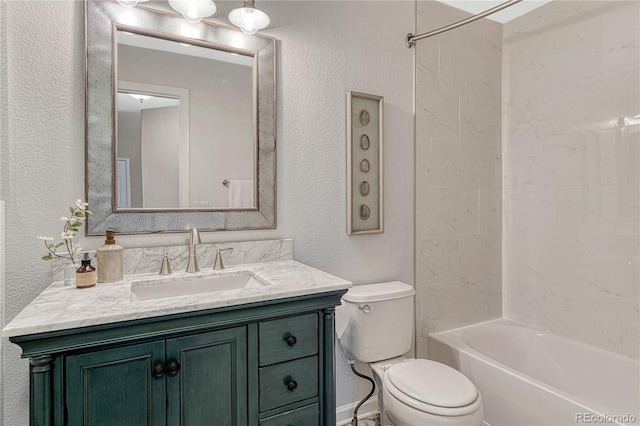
pixel 249 19
pixel 193 10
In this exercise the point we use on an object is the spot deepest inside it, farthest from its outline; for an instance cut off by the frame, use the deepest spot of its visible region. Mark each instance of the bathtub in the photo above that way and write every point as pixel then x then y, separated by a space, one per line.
pixel 529 377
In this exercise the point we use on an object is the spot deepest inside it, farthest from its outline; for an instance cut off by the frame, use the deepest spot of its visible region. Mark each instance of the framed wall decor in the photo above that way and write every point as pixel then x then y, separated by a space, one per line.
pixel 364 163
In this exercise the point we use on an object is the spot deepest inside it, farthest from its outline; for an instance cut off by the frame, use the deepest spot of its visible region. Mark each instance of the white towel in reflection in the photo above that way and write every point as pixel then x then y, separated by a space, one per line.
pixel 241 193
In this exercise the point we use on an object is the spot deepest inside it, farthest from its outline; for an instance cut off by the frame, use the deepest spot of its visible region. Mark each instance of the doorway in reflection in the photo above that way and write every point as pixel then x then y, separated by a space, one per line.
pixel 148 175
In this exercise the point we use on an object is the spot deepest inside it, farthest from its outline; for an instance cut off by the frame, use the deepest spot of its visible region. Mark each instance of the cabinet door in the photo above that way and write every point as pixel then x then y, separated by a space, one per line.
pixel 116 387
pixel 210 387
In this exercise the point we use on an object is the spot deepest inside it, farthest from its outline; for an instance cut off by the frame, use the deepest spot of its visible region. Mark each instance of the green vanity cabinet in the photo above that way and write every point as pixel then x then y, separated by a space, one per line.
pixel 266 363
pixel 192 380
pixel 211 384
pixel 116 386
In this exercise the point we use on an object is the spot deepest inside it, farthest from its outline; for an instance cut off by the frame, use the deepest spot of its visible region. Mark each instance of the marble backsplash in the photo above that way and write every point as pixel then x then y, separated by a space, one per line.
pixel 144 260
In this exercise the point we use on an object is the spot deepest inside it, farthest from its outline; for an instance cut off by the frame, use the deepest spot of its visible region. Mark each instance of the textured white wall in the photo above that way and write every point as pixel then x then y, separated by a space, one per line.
pixel 328 48
pixel 324 49
pixel 41 157
pixel 3 139
pixel 571 181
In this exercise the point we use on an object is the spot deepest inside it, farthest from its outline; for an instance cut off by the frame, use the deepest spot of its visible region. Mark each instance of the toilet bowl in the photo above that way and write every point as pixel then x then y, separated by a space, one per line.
pixel 420 392
pixel 374 324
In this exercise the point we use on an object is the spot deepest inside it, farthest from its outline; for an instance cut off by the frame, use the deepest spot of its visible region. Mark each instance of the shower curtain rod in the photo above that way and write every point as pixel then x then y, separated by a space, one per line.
pixel 411 39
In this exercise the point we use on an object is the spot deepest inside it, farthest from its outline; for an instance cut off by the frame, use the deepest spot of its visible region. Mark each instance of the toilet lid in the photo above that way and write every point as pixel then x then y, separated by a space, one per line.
pixel 433 383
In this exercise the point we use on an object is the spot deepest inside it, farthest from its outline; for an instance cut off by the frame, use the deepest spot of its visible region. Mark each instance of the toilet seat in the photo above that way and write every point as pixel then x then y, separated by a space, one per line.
pixel 432 388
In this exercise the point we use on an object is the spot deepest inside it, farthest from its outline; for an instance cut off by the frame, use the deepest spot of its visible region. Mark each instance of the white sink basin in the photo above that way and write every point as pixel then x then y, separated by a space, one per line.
pixel 187 285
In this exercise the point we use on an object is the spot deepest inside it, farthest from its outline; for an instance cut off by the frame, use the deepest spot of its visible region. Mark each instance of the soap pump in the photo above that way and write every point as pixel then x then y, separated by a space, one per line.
pixel 110 261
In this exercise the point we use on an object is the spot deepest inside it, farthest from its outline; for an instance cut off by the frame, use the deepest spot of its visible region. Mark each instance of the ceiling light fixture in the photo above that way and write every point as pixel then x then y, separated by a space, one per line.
pixel 248 18
pixel 193 10
pixel 140 97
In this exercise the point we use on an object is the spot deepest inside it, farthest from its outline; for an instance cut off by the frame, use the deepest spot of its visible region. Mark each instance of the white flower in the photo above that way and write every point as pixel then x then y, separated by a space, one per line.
pixel 81 205
pixel 64 218
pixel 45 238
pixel 77 248
pixel 67 235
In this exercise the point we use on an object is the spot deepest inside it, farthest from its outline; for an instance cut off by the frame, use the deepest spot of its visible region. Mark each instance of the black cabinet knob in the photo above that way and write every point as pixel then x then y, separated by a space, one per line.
pixel 291 340
pixel 158 370
pixel 172 368
pixel 292 385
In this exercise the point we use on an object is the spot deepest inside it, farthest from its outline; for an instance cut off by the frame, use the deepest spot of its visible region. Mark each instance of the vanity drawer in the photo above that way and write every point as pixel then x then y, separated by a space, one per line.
pixel 285 383
pixel 304 416
pixel 288 338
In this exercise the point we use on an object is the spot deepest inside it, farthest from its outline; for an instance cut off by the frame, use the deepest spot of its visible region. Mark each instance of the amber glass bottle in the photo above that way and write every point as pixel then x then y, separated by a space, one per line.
pixel 86 274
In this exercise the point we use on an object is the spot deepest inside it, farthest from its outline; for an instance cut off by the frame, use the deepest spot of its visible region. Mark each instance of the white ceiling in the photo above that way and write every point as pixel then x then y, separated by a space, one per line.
pixel 506 15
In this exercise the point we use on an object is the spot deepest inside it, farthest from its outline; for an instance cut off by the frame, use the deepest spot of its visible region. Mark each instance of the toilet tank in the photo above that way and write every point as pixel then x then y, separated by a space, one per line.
pixel 375 321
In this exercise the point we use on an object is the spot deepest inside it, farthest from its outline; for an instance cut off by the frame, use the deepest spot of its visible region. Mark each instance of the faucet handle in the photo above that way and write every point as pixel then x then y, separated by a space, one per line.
pixel 218 264
pixel 165 267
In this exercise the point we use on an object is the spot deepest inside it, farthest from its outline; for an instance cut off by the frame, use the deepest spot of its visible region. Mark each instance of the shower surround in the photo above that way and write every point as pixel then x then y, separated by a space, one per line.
pixel 571 183
pixel 527 182
pixel 458 172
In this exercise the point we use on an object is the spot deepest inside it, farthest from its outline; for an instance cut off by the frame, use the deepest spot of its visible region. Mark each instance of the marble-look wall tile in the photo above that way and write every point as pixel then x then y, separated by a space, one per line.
pixel 478 120
pixel 458 172
pixel 146 260
pixel 490 210
pixel 570 197
pixel 438 259
pixel 482 36
pixel 478 80
pixel 440 109
pixel 451 305
pixel 536 69
pixel 460 164
pixel 630 173
pixel 423 161
pixel 441 210
pixel 480 257
pixel 620 42
pixel 428 64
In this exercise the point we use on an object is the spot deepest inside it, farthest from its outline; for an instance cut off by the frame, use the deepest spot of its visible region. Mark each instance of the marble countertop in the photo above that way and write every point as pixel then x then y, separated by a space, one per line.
pixel 61 307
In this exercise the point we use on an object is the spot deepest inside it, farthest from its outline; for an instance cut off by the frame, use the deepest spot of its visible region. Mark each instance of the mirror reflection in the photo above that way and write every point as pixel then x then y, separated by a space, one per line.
pixel 185 126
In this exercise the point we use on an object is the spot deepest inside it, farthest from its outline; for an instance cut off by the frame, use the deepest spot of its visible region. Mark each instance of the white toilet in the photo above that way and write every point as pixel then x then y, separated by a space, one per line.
pixel 375 325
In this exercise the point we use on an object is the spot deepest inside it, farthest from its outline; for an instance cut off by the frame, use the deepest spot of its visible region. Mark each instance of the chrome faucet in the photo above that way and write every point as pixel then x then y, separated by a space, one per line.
pixel 192 241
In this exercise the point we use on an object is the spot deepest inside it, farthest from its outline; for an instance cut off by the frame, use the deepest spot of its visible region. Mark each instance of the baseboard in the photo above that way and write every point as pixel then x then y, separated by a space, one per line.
pixel 344 414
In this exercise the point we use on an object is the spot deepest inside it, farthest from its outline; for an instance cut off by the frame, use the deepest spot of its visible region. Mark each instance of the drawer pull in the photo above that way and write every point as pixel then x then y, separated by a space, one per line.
pixel 292 385
pixel 172 368
pixel 291 340
pixel 158 370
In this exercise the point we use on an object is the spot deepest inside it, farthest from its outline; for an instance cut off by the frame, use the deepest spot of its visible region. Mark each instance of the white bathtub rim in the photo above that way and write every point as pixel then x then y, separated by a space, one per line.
pixel 453 338
pixel 509 322
pixel 472 353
